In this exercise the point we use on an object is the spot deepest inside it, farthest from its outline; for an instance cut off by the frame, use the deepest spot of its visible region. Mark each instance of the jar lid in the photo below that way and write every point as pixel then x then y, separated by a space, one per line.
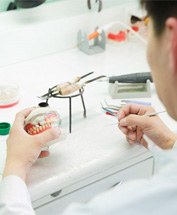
pixel 9 94
pixel 43 104
pixel 4 128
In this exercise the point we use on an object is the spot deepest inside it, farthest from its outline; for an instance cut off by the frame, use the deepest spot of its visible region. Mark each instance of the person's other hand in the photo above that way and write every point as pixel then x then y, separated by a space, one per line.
pixel 24 149
pixel 134 123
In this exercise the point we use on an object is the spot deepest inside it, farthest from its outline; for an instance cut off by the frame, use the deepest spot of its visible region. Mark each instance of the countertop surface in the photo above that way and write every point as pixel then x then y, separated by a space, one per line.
pixel 95 144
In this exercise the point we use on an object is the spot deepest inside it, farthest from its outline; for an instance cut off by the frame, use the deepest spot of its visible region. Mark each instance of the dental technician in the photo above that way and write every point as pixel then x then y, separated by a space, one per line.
pixel 156 196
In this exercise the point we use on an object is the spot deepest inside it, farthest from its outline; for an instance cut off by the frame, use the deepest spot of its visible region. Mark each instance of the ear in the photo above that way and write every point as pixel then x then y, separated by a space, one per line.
pixel 171 27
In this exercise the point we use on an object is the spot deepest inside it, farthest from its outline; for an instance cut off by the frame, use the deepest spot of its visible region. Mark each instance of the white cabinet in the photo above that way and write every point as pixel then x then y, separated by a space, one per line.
pixel 58 201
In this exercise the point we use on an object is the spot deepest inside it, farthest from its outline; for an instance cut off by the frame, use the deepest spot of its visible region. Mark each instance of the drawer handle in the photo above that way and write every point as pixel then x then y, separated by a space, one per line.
pixel 56 193
pixel 118 183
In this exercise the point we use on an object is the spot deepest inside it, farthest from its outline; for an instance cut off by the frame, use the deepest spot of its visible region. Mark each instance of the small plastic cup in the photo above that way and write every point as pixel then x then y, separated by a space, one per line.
pixel 4 128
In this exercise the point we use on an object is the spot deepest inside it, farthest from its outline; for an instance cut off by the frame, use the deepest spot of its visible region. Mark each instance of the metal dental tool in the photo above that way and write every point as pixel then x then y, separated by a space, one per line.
pixel 69 87
pixel 155 113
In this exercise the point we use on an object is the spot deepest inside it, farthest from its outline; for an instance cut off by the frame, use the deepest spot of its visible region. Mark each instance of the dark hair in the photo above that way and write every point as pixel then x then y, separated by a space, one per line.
pixel 160 11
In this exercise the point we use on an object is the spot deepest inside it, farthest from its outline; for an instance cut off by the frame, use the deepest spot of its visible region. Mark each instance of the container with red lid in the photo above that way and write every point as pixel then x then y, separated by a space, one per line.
pixel 9 94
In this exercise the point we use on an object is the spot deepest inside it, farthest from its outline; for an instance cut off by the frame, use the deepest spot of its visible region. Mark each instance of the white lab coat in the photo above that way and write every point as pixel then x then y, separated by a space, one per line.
pixel 156 196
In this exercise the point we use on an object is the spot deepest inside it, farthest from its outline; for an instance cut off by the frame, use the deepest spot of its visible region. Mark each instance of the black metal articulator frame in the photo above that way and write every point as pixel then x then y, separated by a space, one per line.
pixel 80 93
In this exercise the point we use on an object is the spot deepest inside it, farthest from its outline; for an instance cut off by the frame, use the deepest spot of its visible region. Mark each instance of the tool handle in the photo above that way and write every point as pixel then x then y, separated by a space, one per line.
pixel 69 89
pixel 75 79
pixel 62 85
pixel 132 78
pixel 68 83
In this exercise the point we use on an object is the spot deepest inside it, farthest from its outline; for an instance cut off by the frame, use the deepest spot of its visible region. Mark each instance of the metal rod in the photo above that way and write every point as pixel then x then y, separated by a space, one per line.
pixel 82 99
pixel 86 75
pixel 70 114
pixel 155 113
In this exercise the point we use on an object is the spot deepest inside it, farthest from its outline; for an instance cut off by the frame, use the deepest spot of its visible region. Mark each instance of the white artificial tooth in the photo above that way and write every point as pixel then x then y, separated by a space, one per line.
pixel 42 122
pixel 47 120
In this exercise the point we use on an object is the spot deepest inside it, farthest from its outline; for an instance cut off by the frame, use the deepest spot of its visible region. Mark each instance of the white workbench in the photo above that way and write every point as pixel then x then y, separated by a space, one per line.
pixel 95 156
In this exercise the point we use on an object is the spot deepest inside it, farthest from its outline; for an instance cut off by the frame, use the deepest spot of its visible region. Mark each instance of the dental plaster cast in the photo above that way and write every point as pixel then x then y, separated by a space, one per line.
pixel 41 119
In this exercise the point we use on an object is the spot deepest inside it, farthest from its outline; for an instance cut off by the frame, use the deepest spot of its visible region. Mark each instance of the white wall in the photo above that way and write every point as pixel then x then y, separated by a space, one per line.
pixel 50 28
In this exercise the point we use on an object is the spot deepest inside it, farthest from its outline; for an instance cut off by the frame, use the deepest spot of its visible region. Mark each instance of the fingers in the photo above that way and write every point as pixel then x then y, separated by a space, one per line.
pixel 135 120
pixel 126 128
pixel 134 109
pixel 44 154
pixel 19 119
pixel 132 126
pixel 143 142
pixel 133 133
pixel 132 121
pixel 129 109
pixel 131 137
pixel 139 134
pixel 123 129
pixel 47 136
pixel 132 140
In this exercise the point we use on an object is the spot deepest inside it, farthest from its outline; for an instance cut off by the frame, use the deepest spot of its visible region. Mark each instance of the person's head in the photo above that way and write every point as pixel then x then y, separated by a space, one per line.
pixel 162 50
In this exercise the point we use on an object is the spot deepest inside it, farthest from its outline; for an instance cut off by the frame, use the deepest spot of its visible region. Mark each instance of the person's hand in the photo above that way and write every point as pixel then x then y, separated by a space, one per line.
pixel 134 123
pixel 24 149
